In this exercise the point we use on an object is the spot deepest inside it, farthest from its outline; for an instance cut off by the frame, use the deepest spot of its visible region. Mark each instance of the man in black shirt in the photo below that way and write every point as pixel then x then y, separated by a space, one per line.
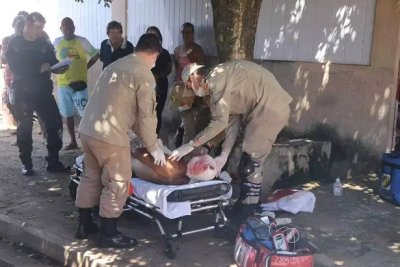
pixel 116 46
pixel 29 57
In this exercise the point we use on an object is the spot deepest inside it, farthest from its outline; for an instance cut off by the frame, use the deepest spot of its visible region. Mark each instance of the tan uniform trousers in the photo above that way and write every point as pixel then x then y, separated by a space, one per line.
pixel 260 134
pixel 106 176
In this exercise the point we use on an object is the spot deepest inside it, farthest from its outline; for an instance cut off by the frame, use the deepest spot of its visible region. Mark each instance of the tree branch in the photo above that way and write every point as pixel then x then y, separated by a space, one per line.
pixel 107 3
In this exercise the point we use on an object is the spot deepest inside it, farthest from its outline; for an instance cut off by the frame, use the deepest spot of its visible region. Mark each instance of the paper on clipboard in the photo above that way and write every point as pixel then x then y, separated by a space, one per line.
pixel 63 63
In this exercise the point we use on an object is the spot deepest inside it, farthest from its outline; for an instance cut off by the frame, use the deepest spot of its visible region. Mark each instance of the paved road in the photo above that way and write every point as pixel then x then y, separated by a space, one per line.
pixel 357 229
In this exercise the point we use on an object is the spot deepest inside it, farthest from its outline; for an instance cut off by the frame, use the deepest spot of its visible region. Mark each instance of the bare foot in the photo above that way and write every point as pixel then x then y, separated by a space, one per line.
pixel 71 147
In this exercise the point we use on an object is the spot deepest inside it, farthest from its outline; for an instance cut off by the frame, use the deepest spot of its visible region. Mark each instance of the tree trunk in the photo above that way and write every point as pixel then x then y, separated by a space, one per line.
pixel 235 25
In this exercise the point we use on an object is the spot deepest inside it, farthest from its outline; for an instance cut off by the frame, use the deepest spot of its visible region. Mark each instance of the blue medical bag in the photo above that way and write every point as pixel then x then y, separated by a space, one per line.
pixel 390 177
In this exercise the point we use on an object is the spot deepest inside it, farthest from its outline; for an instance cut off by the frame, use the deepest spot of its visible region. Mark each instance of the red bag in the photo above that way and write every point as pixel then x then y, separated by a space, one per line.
pixel 251 253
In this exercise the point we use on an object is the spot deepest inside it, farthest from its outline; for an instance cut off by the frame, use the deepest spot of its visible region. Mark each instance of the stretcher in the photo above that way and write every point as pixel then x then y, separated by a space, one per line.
pixel 172 202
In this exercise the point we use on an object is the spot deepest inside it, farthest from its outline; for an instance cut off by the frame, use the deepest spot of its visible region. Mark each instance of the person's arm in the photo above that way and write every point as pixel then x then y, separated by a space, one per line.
pixel 219 121
pixel 146 122
pixel 176 56
pixel 92 60
pixel 129 48
pixel 102 50
pixel 200 58
pixel 4 46
pixel 91 51
pixel 51 57
pixel 231 133
pixel 163 65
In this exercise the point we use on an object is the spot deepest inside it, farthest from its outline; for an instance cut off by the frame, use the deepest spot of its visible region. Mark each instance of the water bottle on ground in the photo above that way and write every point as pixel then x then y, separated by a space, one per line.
pixel 337 188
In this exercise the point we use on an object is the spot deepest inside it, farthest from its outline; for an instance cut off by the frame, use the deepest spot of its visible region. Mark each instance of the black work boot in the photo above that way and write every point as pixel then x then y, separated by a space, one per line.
pixel 55 165
pixel 27 170
pixel 109 237
pixel 238 216
pixel 86 225
pixel 240 212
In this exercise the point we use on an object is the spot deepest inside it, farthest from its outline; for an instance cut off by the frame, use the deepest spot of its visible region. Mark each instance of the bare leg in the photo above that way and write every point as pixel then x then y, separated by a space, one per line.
pixel 71 131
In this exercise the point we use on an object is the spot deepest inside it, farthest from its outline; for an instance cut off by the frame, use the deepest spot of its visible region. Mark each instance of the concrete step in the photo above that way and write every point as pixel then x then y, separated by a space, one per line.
pixel 16 255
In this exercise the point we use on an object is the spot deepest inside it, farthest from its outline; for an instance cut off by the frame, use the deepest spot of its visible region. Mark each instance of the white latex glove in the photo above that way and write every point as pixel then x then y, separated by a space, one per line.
pixel 159 157
pixel 221 161
pixel 181 151
pixel 163 147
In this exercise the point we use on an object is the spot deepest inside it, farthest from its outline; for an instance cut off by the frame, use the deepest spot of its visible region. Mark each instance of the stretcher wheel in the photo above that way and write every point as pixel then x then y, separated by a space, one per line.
pixel 171 248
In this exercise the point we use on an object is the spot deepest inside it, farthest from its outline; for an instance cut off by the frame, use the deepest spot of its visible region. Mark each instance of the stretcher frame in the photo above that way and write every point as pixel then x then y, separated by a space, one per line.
pixel 139 206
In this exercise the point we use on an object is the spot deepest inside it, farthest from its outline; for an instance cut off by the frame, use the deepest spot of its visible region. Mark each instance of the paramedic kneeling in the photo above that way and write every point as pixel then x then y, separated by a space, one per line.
pixel 242 94
pixel 123 99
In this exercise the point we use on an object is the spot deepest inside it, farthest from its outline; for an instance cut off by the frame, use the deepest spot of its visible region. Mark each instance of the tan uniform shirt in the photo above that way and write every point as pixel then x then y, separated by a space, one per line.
pixel 122 99
pixel 241 89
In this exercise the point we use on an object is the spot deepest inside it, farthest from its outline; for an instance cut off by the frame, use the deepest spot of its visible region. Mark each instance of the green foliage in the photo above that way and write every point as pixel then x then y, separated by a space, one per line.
pixel 106 2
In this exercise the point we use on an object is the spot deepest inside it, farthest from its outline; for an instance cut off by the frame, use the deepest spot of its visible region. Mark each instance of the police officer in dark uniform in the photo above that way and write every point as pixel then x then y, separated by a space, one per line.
pixel 29 57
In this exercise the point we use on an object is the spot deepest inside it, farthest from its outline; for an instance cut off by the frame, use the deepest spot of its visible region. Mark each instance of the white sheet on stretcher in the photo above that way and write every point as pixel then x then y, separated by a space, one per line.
pixel 156 195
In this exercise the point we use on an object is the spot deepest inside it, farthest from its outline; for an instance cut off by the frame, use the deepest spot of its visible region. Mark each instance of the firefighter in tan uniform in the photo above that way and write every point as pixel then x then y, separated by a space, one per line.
pixel 122 99
pixel 242 94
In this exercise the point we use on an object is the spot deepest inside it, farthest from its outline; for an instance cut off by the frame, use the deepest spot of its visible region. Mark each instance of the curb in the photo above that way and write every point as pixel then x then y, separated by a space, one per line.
pixel 66 252
pixel 44 242
pixel 72 252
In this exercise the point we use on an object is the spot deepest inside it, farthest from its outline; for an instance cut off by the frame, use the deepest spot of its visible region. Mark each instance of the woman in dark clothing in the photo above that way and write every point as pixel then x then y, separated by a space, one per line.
pixel 161 71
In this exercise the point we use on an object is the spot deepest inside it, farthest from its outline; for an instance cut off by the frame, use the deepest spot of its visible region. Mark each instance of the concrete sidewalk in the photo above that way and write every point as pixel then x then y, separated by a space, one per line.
pixel 357 229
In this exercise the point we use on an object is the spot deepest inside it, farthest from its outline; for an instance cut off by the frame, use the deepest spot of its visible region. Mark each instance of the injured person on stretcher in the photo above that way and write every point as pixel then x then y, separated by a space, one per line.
pixel 198 168
pixel 174 191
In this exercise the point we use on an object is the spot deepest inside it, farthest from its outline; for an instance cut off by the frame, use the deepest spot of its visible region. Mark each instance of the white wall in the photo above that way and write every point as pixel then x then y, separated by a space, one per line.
pixel 90 18
pixel 168 16
pixel 338 31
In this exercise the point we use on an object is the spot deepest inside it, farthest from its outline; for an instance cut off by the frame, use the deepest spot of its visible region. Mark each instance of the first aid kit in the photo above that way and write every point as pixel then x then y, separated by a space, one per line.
pixel 390 177
pixel 261 243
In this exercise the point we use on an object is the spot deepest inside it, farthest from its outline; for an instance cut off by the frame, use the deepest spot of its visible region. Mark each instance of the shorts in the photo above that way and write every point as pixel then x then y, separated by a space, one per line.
pixel 68 99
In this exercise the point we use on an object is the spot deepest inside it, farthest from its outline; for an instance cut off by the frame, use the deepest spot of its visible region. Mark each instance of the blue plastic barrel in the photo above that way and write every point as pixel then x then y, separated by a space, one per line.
pixel 390 177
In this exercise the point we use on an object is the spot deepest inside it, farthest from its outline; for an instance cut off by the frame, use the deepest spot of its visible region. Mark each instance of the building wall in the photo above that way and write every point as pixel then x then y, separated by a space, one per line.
pixel 353 100
pixel 356 101
pixel 386 28
pixel 315 31
pixel 168 16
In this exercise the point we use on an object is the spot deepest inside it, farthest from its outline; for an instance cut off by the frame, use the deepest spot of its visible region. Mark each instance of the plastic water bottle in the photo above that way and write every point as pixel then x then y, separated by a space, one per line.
pixel 337 188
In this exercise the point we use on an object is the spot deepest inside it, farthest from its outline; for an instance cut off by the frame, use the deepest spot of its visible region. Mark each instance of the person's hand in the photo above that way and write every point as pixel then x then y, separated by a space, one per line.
pixel 163 147
pixel 221 161
pixel 44 67
pixel 181 151
pixel 159 157
pixel 61 70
